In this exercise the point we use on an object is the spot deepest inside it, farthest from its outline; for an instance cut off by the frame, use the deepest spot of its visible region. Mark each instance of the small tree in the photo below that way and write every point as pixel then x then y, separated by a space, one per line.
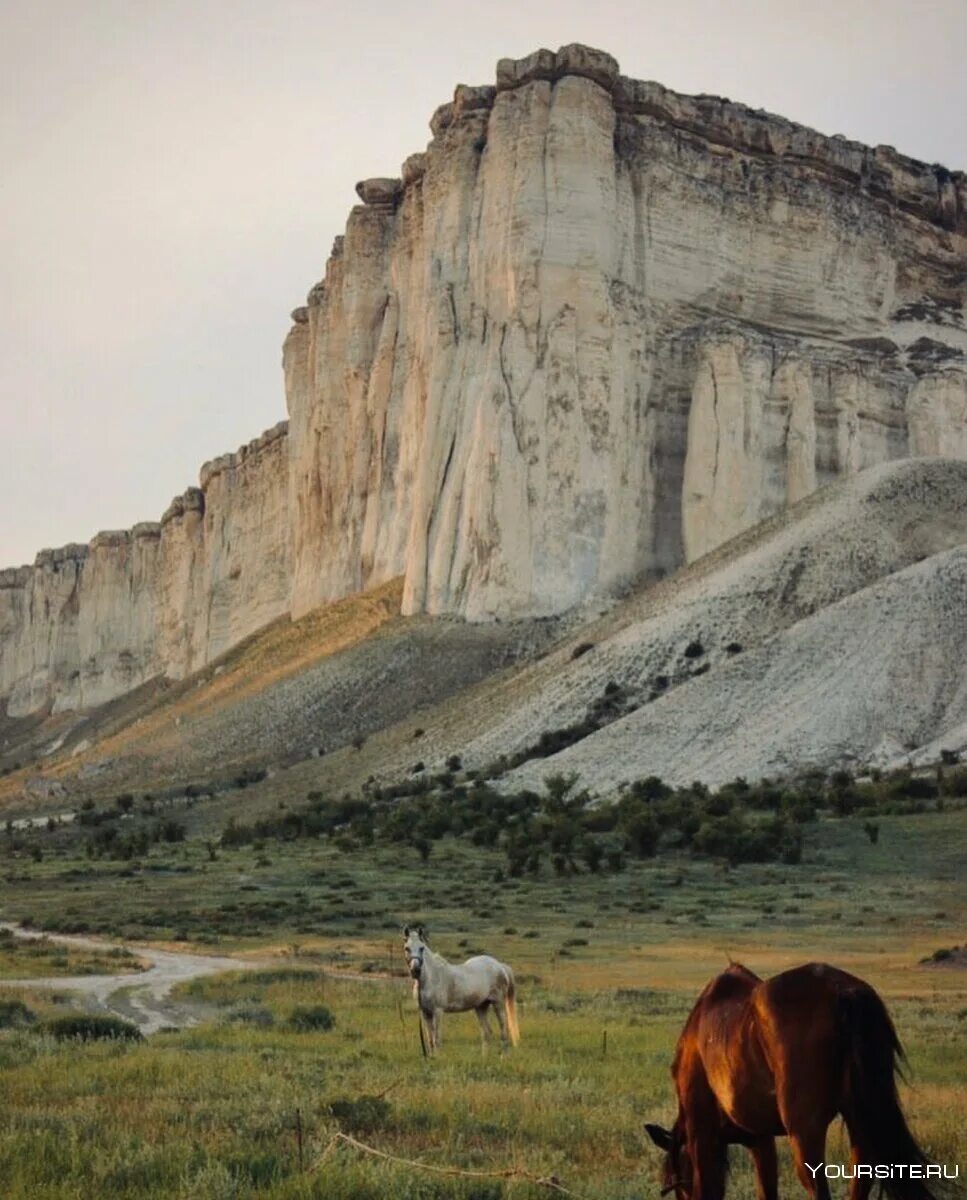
pixel 593 853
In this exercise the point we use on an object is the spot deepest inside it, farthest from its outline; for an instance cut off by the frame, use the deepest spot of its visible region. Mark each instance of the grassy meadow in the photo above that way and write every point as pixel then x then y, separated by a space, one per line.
pixel 608 965
pixel 42 958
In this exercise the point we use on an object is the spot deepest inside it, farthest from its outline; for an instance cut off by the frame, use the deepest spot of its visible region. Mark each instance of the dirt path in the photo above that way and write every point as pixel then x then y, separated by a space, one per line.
pixel 142 997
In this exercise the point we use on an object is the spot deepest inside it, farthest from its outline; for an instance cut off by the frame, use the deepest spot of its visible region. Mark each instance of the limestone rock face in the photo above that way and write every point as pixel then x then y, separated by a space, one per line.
pixel 606 329
pixel 88 623
pixel 592 332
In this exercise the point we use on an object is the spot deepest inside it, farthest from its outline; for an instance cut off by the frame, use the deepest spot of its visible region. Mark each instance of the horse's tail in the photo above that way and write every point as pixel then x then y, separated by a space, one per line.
pixel 513 1029
pixel 871 1106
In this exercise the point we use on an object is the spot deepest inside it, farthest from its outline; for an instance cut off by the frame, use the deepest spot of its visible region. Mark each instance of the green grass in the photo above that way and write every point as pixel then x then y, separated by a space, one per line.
pixel 36 958
pixel 348 905
pixel 212 1111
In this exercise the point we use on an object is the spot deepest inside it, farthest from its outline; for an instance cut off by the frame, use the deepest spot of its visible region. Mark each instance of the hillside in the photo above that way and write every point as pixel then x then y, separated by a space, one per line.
pixel 830 634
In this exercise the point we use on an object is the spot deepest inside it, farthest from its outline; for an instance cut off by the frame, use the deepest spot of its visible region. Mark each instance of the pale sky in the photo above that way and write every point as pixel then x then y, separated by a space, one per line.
pixel 172 175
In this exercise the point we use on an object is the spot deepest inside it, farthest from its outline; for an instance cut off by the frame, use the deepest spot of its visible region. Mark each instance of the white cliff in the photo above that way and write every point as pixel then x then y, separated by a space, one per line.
pixel 595 330
pixel 87 623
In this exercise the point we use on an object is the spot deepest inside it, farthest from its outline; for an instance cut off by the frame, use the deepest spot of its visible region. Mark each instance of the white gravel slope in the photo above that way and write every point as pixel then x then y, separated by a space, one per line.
pixel 851 610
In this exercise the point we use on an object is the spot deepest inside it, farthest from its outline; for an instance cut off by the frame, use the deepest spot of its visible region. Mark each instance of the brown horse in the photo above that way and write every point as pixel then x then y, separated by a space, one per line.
pixel 762 1059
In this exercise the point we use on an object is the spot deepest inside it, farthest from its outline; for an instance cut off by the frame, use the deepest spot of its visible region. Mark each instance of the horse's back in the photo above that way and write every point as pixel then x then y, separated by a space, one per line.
pixel 480 979
pixel 810 981
pixel 805 1002
pixel 486 964
pixel 799 1016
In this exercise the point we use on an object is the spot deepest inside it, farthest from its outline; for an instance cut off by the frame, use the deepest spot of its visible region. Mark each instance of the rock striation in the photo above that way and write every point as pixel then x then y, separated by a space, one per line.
pixel 593 331
pixel 85 624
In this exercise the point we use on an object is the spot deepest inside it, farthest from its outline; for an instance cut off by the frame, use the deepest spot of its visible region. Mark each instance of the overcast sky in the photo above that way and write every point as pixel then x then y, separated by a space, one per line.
pixel 172 175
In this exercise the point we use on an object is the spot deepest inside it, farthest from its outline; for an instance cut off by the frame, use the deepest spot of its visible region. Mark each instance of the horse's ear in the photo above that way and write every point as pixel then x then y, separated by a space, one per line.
pixel 406 931
pixel 661 1137
pixel 422 932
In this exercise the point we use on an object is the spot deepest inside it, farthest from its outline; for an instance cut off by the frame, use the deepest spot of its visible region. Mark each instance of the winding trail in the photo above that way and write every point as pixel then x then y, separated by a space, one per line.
pixel 141 997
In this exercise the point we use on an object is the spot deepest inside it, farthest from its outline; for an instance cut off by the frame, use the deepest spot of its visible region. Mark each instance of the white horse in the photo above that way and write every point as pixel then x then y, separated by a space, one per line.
pixel 481 983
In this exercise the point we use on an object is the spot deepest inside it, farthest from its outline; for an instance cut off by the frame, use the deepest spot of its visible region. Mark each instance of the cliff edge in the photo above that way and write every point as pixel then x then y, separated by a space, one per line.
pixel 593 331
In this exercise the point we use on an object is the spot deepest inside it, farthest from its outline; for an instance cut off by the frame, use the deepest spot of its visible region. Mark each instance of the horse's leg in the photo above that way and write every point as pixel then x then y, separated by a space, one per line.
pixel 485 1030
pixel 809 1151
pixel 859 1189
pixel 766 1171
pixel 807 1081
pixel 436 1021
pixel 703 1130
pixel 426 1031
pixel 709 1165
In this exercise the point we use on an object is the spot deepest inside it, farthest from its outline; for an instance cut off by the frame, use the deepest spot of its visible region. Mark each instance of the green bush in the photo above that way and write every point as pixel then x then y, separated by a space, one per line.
pixel 252 1015
pixel 14 1014
pixel 367 1114
pixel 956 783
pixel 914 787
pixel 88 1029
pixel 310 1018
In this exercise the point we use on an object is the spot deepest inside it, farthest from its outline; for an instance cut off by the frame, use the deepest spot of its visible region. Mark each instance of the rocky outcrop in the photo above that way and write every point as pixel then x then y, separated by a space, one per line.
pixel 88 623
pixel 592 332
pixel 604 329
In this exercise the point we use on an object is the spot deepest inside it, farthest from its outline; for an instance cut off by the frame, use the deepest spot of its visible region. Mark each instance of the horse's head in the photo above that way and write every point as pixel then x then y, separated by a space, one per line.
pixel 677 1173
pixel 414 947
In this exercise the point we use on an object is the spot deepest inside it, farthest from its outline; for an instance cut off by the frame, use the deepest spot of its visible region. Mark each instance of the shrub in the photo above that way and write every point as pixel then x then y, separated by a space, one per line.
pixel 91 1028
pixel 651 788
pixel 251 775
pixel 945 954
pixel 956 783
pixel 308 1019
pixel 274 975
pixel 914 787
pixel 739 840
pixel 171 830
pixel 694 650
pixel 253 1015
pixel 14 1014
pixel 641 832
pixel 845 800
pixel 593 853
pixel 367 1114
pixel 615 858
